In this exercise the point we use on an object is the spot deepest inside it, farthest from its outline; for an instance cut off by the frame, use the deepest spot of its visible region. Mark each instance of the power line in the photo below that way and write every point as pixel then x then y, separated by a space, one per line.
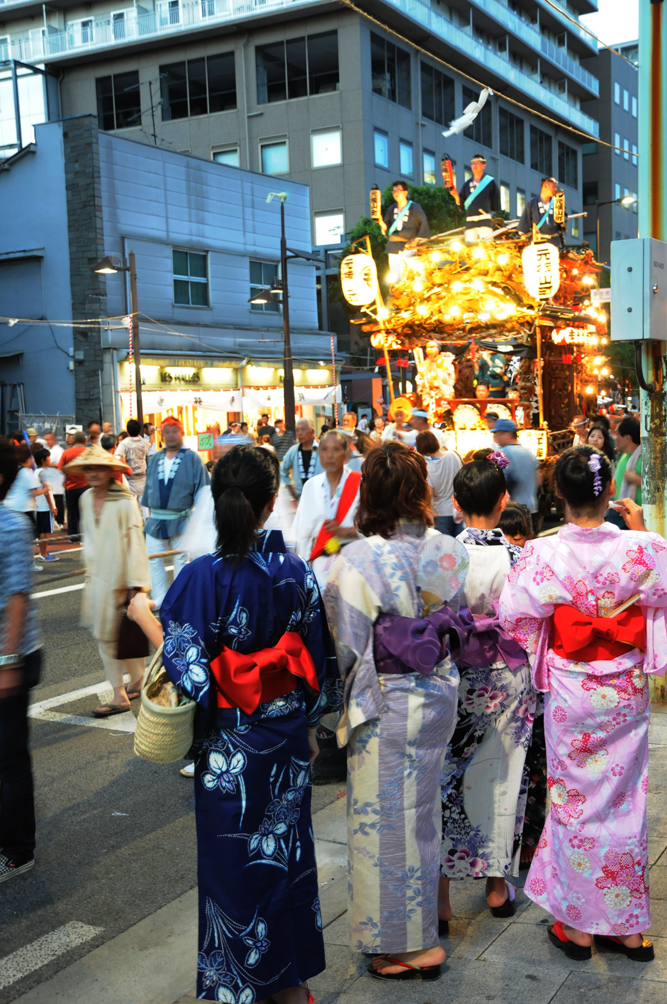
pixel 589 32
pixel 462 73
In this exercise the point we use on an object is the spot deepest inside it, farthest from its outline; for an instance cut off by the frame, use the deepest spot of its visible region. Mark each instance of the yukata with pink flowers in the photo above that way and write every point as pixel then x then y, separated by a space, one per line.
pixel 591 865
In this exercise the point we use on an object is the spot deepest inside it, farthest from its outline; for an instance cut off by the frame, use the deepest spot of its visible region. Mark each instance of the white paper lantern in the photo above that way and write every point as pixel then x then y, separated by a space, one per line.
pixel 358 279
pixel 541 270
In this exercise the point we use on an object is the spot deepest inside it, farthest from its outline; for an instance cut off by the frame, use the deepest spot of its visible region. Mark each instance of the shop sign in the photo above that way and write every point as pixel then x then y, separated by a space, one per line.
pixel 358 279
pixel 541 270
pixel 599 296
pixel 168 376
pixel 573 336
pixel 205 441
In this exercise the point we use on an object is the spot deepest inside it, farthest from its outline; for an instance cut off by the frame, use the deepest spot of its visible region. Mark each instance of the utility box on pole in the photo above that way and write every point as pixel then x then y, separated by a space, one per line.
pixel 638 290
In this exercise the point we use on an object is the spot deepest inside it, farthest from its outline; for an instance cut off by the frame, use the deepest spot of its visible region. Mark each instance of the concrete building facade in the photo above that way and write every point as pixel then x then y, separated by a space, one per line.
pixel 205 240
pixel 610 173
pixel 315 91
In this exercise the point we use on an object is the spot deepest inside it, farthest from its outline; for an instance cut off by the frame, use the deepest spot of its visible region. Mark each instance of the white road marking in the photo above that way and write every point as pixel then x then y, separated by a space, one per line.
pixel 71 589
pixel 43 710
pixel 37 954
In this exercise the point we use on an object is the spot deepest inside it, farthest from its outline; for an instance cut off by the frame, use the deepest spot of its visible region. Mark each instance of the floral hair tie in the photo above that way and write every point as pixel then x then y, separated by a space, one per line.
pixel 594 466
pixel 499 460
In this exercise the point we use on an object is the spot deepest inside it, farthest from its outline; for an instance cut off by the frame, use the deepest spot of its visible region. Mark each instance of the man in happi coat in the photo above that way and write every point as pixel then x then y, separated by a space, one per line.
pixel 540 211
pixel 173 478
pixel 480 197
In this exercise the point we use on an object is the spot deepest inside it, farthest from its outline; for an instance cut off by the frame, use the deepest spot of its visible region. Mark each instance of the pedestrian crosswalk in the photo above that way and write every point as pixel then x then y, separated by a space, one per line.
pixel 46 711
pixel 45 949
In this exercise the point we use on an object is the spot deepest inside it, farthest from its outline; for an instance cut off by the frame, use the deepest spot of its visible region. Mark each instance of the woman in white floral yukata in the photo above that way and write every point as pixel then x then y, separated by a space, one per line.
pixel 590 604
pixel 483 797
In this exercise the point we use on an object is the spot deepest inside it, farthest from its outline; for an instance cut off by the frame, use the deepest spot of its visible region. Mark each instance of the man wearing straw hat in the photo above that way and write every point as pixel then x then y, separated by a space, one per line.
pixel 116 563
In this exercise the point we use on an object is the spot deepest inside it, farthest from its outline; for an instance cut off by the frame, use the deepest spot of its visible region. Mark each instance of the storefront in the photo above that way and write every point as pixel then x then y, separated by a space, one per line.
pixel 208 394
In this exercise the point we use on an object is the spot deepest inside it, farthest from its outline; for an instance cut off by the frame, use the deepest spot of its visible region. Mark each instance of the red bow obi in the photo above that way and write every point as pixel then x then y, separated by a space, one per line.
pixel 245 681
pixel 589 639
pixel 347 497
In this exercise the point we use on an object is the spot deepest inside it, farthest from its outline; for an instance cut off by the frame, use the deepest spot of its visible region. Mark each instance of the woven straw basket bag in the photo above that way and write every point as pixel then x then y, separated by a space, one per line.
pixel 164 734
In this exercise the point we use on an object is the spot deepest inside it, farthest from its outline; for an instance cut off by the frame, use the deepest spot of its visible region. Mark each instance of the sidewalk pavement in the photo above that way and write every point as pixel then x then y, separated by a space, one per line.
pixel 506 961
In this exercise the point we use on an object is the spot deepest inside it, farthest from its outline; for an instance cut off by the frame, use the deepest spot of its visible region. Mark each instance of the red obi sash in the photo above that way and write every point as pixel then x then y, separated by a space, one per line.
pixel 347 497
pixel 589 639
pixel 245 681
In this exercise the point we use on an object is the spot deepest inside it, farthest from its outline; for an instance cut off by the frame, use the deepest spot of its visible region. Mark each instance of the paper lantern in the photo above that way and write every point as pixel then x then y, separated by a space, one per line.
pixel 358 279
pixel 541 270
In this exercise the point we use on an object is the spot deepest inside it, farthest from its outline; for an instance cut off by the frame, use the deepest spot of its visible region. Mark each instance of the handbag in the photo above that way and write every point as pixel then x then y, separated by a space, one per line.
pixel 165 724
pixel 132 642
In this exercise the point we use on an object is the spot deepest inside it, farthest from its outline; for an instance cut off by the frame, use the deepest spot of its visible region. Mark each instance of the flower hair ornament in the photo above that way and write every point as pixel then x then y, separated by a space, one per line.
pixel 498 460
pixel 594 467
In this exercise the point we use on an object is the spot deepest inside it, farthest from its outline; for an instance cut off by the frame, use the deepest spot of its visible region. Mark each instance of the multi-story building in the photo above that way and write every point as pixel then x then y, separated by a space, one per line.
pixel 317 91
pixel 205 241
pixel 610 173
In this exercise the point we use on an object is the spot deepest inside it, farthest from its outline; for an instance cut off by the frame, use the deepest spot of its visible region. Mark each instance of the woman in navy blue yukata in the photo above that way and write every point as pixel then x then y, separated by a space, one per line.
pixel 245 636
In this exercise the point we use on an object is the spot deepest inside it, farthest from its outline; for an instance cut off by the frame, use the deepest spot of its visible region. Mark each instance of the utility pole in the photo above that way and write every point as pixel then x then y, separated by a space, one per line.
pixel 288 363
pixel 653 223
pixel 134 322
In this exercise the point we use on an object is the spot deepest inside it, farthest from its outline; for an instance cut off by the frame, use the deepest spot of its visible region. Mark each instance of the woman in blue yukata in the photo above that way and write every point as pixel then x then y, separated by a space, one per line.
pixel 245 636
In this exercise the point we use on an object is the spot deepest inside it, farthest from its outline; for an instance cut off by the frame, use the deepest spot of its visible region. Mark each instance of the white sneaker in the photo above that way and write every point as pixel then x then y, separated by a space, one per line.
pixel 36 567
pixel 188 771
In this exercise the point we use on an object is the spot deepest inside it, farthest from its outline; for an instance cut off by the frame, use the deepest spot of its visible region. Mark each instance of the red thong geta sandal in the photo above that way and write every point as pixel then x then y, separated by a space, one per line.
pixel 427 974
pixel 560 940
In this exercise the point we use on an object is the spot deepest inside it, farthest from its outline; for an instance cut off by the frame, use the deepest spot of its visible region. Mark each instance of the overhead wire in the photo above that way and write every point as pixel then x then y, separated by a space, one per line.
pixel 583 27
pixel 474 80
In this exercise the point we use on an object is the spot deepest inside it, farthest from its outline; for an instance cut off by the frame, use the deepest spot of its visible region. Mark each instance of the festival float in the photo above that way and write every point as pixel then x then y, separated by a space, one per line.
pixel 508 325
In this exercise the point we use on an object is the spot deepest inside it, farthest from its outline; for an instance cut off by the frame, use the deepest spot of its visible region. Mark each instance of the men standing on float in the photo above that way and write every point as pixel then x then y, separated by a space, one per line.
pixel 480 198
pixel 540 211
pixel 404 225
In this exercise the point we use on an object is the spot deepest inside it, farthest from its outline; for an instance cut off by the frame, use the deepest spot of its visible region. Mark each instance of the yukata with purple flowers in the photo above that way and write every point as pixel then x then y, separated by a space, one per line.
pixel 397 726
pixel 591 865
pixel 260 928
pixel 483 787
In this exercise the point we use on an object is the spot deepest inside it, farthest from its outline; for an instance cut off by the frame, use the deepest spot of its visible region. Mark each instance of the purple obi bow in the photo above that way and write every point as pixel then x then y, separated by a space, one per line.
pixel 414 644
pixel 487 642
pixel 418 644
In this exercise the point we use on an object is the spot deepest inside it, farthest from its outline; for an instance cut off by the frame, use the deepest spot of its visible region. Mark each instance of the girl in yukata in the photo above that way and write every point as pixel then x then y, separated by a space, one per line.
pixel 244 636
pixel 400 709
pixel 483 794
pixel 590 604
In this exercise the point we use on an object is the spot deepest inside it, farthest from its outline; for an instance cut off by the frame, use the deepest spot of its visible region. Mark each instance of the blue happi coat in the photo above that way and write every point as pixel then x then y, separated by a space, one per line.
pixel 260 928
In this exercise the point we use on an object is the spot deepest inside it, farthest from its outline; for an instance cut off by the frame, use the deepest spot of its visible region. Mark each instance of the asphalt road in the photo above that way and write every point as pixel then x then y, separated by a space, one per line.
pixel 115 834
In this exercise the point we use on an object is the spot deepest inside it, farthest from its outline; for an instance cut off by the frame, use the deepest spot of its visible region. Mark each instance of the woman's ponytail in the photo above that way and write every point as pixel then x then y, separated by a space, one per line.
pixel 243 483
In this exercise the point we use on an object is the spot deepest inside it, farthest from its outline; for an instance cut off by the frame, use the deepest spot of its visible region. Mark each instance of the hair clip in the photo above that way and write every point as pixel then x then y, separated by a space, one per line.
pixel 594 467
pixel 499 460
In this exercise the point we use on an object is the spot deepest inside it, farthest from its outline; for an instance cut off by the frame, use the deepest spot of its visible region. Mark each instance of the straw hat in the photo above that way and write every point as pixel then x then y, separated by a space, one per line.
pixel 95 456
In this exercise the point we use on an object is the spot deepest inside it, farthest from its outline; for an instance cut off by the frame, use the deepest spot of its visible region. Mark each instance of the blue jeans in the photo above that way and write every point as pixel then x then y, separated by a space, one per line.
pixel 445 524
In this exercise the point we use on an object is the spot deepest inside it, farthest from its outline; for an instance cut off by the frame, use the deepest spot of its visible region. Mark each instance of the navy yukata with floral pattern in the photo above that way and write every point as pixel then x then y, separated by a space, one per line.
pixel 260 928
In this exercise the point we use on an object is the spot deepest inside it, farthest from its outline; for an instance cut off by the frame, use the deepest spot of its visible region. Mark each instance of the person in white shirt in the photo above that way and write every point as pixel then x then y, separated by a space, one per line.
pixel 45 506
pixel 442 467
pixel 133 451
pixel 399 430
pixel 23 493
pixel 56 476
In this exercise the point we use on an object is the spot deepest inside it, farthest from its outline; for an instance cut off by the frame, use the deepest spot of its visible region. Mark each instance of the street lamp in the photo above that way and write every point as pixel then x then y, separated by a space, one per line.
pixel 627 200
pixel 266 296
pixel 108 267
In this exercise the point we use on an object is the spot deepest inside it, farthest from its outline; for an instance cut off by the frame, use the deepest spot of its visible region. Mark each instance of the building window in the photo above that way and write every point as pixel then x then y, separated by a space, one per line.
pixel 428 159
pixel 626 101
pixel 480 132
pixel 437 95
pixel 626 192
pixel 634 204
pixel 617 144
pixel 520 201
pixel 190 279
pixel 575 228
pixel 263 275
pixel 381 141
pixel 118 101
pixel 505 197
pixel 390 70
pixel 590 193
pixel 274 157
pixel 587 148
pixel 297 68
pixel 230 156
pixel 329 228
pixel 405 158
pixel 198 86
pixel 626 149
pixel 326 148
pixel 511 132
pixel 617 191
pixel 541 156
pixel 634 107
pixel 634 154
pixel 568 167
pixel 617 93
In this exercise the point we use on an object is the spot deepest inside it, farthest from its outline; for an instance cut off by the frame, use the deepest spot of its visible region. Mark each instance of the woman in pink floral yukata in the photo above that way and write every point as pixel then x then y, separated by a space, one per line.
pixel 561 603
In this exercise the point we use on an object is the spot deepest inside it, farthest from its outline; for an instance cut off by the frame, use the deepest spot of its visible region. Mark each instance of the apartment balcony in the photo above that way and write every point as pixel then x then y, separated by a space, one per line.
pixel 563 18
pixel 502 15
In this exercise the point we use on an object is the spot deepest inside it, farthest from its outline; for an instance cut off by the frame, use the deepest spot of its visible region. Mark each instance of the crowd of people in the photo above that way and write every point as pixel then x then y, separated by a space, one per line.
pixel 489 687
